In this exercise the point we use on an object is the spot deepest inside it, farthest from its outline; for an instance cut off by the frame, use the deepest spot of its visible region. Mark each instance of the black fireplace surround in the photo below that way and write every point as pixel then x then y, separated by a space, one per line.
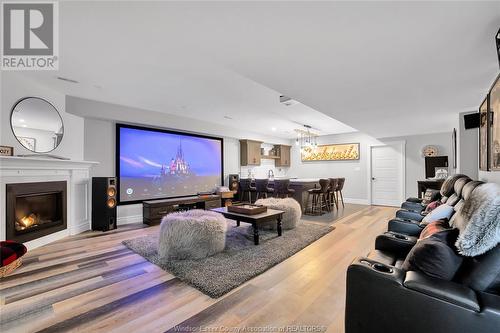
pixel 35 210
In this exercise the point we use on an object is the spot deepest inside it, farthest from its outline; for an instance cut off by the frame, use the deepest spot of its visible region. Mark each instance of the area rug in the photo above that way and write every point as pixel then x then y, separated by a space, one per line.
pixel 240 261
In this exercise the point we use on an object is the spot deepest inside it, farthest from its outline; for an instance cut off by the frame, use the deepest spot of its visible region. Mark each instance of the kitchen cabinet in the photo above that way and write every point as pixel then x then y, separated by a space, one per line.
pixel 250 152
pixel 284 156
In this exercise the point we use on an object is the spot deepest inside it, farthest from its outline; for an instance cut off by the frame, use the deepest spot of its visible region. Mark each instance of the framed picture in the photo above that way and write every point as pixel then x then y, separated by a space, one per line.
pixel 494 125
pixel 29 143
pixel 454 147
pixel 483 135
pixel 333 152
pixel 441 173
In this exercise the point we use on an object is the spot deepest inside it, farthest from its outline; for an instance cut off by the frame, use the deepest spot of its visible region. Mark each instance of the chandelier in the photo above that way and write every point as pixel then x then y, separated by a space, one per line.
pixel 306 138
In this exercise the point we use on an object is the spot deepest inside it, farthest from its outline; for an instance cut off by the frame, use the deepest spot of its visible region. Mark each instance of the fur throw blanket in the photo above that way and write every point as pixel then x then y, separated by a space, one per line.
pixel 479 221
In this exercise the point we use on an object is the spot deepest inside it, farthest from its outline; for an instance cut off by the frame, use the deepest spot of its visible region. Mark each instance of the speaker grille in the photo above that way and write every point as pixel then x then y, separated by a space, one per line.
pixel 104 203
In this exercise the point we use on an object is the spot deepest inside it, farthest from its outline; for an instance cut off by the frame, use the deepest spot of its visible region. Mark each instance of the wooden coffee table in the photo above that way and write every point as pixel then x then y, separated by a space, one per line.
pixel 254 220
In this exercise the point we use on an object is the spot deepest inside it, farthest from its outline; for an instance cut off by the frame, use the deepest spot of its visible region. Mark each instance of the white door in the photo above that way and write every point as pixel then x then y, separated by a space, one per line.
pixel 387 175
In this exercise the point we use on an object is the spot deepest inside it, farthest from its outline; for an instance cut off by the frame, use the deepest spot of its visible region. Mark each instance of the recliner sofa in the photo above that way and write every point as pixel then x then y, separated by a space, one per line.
pixel 383 297
pixel 409 222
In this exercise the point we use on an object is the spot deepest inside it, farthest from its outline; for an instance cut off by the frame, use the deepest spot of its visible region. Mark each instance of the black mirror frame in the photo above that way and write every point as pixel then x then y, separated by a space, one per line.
pixel 55 109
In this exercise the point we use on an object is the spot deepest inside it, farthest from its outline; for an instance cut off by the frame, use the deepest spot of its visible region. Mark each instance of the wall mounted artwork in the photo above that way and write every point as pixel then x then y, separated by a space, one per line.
pixel 483 135
pixel 333 152
pixel 494 111
pixel 489 130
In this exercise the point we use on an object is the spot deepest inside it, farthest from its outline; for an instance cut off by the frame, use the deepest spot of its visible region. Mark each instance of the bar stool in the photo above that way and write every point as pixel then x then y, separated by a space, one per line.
pixel 246 186
pixel 338 190
pixel 281 188
pixel 261 187
pixel 331 192
pixel 319 198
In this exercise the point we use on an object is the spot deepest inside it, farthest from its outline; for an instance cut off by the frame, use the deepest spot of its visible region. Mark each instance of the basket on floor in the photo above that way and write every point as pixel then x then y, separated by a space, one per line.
pixel 6 270
pixel 11 253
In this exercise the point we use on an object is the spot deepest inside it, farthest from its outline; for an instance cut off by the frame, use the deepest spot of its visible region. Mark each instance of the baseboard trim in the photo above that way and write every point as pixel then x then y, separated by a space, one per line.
pixel 356 201
pixel 33 244
pixel 79 228
pixel 129 219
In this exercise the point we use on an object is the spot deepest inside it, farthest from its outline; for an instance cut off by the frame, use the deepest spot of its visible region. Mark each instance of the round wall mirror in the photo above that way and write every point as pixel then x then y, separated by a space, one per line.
pixel 36 124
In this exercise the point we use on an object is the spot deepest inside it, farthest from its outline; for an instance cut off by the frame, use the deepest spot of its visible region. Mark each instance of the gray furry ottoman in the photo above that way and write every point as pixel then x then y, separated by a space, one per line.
pixel 290 206
pixel 193 234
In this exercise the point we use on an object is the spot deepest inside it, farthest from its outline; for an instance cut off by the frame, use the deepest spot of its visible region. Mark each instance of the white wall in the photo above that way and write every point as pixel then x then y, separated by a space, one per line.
pixel 469 154
pixel 113 112
pixel 99 145
pixel 14 87
pixel 99 138
pixel 44 139
pixel 356 172
pixel 415 162
pixel 492 176
pixel 469 148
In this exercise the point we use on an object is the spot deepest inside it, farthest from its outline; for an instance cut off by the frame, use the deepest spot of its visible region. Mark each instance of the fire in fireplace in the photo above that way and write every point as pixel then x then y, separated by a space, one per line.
pixel 35 210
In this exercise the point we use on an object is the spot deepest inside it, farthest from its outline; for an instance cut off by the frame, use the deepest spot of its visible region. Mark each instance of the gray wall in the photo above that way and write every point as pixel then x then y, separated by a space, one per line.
pixel 469 148
pixel 356 172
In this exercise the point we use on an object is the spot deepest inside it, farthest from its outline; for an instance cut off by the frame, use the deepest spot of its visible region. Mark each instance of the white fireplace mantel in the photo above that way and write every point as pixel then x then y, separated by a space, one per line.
pixel 37 169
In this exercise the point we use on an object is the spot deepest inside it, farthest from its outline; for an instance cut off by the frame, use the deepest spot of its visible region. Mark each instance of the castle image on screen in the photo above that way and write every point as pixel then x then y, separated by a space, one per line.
pixel 156 164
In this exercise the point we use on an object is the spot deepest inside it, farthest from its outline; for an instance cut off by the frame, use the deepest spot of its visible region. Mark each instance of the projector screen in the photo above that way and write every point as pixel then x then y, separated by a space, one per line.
pixel 155 164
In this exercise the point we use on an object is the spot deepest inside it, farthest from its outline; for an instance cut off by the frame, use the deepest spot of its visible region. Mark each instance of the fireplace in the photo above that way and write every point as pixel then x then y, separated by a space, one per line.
pixel 35 210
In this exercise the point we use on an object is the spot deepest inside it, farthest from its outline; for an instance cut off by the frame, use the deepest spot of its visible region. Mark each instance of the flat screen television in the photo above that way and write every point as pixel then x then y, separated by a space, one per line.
pixel 156 164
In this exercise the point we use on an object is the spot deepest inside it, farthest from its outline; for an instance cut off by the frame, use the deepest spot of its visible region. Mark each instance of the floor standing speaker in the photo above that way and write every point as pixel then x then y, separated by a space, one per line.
pixel 234 182
pixel 104 203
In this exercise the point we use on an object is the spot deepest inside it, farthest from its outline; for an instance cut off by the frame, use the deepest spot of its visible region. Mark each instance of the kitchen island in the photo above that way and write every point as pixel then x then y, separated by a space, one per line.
pixel 301 186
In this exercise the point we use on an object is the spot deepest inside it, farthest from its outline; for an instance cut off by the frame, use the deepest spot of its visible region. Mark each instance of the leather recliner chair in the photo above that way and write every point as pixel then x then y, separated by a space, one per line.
pixel 382 297
pixel 419 204
pixel 407 222
pixel 386 299
pixel 399 244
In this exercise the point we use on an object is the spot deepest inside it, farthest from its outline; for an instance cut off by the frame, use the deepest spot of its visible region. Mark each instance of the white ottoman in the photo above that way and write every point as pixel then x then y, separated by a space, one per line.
pixel 193 234
pixel 290 206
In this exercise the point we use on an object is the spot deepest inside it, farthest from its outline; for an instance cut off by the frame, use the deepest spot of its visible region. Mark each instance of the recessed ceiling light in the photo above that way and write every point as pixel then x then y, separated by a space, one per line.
pixel 21 120
pixel 24 125
pixel 66 79
pixel 227 117
pixel 273 129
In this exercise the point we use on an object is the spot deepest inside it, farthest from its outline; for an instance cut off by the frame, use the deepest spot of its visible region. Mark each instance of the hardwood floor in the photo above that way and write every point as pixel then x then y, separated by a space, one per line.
pixel 92 283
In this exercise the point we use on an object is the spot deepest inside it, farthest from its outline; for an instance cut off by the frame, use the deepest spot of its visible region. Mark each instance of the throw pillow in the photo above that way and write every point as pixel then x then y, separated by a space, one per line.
pixel 433 205
pixel 434 257
pixel 433 228
pixel 430 196
pixel 440 213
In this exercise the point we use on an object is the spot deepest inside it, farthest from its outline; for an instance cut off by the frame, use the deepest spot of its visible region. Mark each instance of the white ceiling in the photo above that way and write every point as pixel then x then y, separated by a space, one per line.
pixel 385 68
